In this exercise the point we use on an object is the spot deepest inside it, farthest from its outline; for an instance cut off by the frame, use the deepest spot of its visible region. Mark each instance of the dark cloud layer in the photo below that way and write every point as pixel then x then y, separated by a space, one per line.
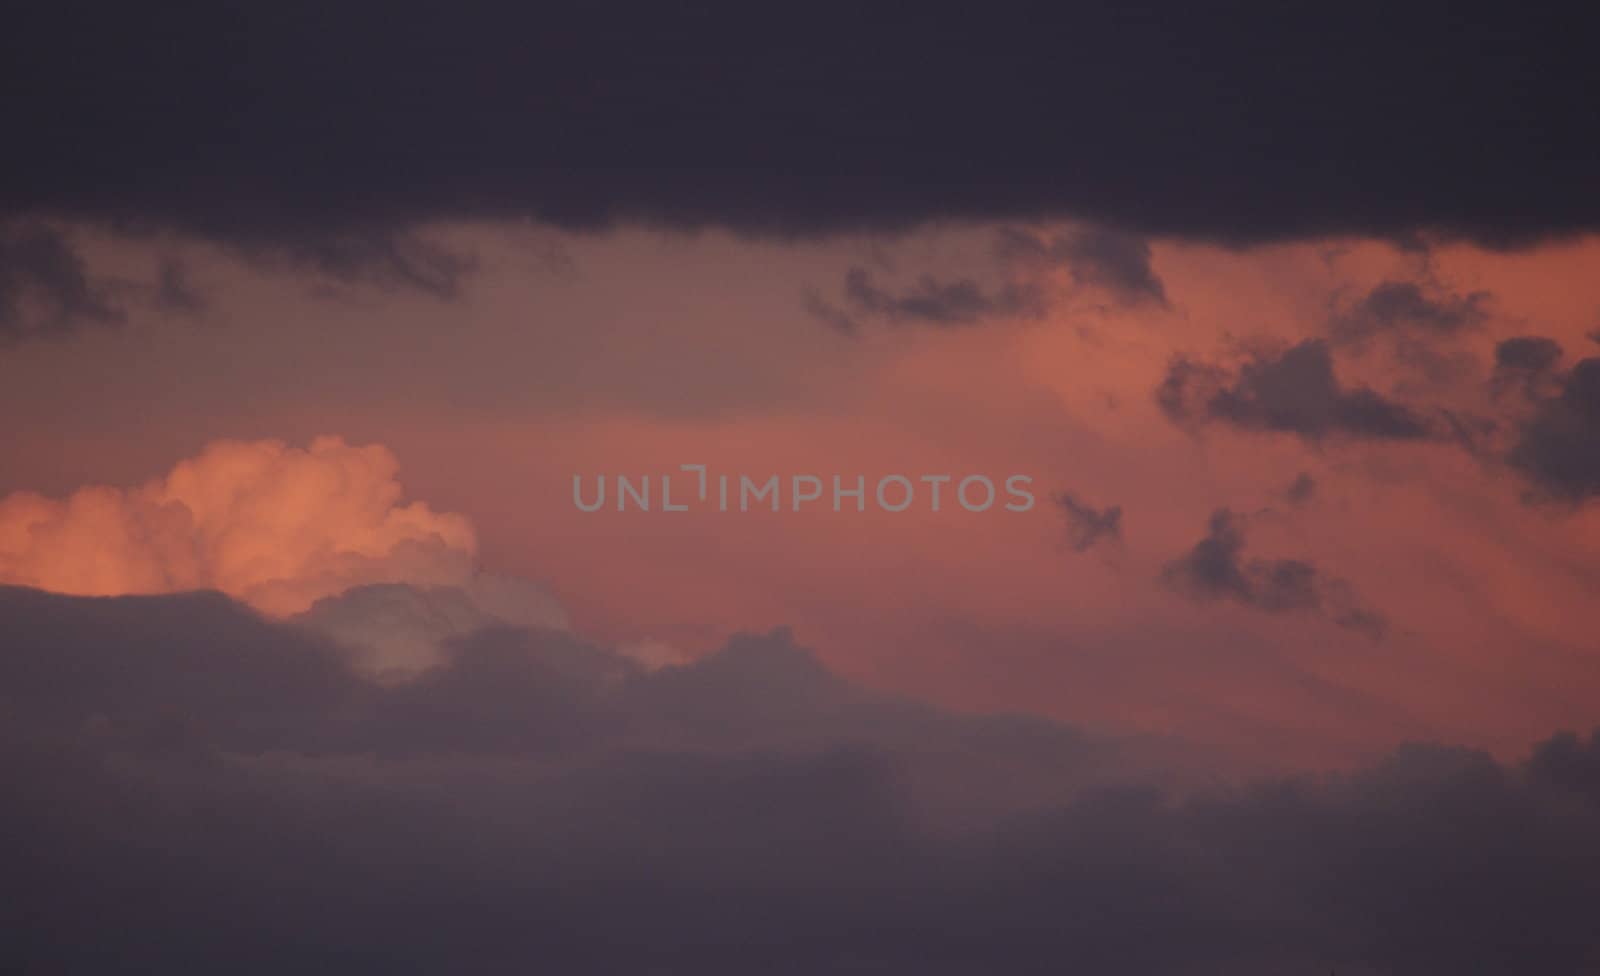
pixel 1241 122
pixel 194 790
pixel 1295 392
pixel 1217 568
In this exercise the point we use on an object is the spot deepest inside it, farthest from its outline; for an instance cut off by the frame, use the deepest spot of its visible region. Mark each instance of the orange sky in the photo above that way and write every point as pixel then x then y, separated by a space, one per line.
pixel 638 352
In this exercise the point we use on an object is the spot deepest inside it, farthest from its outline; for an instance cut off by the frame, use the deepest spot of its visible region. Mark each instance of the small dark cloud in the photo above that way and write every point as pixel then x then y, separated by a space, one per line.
pixel 930 301
pixel 1400 306
pixel 1102 257
pixel 175 292
pixel 1558 445
pixel 1088 526
pixel 45 286
pixel 382 256
pixel 1217 568
pixel 1301 490
pixel 1526 364
pixel 1295 391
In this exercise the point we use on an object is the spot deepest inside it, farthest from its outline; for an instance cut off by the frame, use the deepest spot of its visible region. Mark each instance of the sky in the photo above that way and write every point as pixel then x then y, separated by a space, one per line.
pixel 1281 325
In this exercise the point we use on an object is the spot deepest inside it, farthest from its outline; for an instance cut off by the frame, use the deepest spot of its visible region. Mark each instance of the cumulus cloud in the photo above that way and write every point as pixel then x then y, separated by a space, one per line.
pixel 281 528
pixel 1217 568
pixel 545 805
pixel 276 526
pixel 1294 391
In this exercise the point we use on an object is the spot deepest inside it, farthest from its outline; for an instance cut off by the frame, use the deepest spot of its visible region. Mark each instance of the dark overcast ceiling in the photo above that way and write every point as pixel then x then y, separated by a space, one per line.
pixel 1236 122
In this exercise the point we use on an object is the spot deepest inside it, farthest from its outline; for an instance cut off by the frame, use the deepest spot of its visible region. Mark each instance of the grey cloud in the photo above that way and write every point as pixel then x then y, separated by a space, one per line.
pixel 175 291
pixel 1301 490
pixel 195 789
pixel 1396 306
pixel 1295 391
pixel 385 256
pixel 45 286
pixel 1558 446
pixel 1525 363
pixel 1217 568
pixel 1103 257
pixel 930 301
pixel 1088 526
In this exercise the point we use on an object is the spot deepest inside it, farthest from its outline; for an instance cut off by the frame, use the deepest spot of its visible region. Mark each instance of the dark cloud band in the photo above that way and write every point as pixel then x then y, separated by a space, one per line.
pixel 1242 122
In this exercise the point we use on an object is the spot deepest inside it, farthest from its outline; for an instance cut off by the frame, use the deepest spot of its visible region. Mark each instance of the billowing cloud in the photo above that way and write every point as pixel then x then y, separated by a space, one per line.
pixel 1217 568
pixel 1294 391
pixel 278 527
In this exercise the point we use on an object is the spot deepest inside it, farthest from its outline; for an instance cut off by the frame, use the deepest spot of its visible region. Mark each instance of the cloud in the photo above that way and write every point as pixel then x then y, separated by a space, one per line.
pixel 540 804
pixel 1558 445
pixel 279 527
pixel 1086 525
pixel 1393 307
pixel 397 631
pixel 256 124
pixel 1525 363
pixel 1295 391
pixel 385 256
pixel 930 301
pixel 174 291
pixel 1301 490
pixel 45 286
pixel 1218 569
pixel 1097 256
